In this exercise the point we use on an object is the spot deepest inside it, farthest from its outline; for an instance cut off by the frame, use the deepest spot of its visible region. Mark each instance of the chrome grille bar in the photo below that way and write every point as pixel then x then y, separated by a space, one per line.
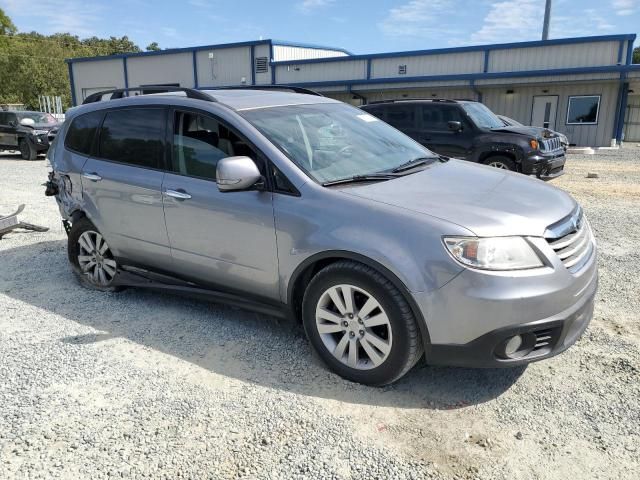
pixel 573 240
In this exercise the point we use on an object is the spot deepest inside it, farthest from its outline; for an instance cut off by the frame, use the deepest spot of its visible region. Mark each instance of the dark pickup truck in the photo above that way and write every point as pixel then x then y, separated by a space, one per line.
pixel 469 130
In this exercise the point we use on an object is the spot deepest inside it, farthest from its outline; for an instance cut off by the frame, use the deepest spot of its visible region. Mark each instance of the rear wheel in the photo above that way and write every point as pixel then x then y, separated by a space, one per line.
pixel 503 163
pixel 91 257
pixel 360 324
pixel 27 151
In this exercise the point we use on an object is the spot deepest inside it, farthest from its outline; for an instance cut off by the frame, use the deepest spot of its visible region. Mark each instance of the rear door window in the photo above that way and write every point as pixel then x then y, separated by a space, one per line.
pixel 134 136
pixel 437 117
pixel 81 134
pixel 401 116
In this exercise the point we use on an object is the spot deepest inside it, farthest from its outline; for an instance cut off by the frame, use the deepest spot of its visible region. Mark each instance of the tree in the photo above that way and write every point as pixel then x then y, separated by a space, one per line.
pixel 6 25
pixel 153 47
pixel 636 55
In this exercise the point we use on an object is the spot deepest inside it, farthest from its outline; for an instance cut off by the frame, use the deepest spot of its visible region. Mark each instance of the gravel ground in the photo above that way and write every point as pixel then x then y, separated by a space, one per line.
pixel 144 385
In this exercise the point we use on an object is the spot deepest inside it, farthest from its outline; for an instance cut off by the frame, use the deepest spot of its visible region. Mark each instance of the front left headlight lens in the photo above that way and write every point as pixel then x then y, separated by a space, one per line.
pixel 497 253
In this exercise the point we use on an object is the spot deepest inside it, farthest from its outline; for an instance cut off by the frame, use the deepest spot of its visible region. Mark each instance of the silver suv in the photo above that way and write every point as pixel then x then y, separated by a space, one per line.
pixel 298 205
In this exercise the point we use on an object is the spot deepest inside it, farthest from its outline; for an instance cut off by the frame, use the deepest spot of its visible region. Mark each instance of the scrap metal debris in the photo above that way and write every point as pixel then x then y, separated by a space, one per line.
pixel 10 222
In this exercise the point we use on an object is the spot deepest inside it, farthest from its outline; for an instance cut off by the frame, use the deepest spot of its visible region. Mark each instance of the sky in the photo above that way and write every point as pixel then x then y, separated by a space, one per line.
pixel 360 26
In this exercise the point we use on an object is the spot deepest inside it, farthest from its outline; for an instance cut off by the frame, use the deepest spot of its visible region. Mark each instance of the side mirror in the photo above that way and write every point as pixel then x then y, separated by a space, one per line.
pixel 454 126
pixel 27 122
pixel 237 173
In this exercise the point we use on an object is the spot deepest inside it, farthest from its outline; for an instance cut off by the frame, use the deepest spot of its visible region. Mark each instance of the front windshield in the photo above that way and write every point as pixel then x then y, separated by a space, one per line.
pixel 482 116
pixel 333 141
pixel 38 117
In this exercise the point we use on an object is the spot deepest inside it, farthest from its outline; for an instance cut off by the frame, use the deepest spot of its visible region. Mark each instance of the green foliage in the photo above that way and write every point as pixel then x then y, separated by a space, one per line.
pixel 32 64
pixel 153 47
pixel 636 55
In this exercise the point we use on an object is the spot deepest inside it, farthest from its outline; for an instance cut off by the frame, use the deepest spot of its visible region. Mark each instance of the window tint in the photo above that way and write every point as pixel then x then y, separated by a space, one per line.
pixel 437 117
pixel 133 136
pixel 281 182
pixel 401 116
pixel 3 119
pixel 583 109
pixel 200 141
pixel 82 132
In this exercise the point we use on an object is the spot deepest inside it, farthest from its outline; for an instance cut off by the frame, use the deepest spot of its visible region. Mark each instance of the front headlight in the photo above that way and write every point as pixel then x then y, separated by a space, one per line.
pixel 39 132
pixel 498 253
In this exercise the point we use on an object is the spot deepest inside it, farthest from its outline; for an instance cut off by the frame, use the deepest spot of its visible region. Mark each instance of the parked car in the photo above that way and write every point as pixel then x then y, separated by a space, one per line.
pixel 468 130
pixel 302 206
pixel 510 122
pixel 26 131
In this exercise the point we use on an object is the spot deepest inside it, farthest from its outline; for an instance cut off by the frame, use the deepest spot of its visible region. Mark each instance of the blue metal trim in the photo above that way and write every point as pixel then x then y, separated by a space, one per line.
pixel 73 86
pixel 271 64
pixel 126 73
pixel 623 109
pixel 620 50
pixel 286 43
pixel 168 51
pixel 475 48
pixel 618 105
pixel 630 51
pixel 486 61
pixel 253 64
pixel 195 69
pixel 368 69
pixel 475 76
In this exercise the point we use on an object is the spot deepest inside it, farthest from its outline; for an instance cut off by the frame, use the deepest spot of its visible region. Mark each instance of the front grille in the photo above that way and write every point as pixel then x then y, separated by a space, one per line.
pixel 551 144
pixel 572 241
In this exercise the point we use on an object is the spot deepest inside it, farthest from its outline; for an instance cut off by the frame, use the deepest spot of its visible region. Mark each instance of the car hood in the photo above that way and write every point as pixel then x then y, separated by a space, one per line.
pixel 485 200
pixel 536 132
pixel 45 126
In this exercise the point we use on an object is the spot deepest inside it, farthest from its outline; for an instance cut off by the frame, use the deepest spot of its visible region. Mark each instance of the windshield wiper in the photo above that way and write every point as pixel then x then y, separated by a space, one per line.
pixel 416 162
pixel 371 177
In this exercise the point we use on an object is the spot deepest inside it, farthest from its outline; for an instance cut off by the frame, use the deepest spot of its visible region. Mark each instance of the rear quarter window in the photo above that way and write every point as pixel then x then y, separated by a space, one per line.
pixel 82 132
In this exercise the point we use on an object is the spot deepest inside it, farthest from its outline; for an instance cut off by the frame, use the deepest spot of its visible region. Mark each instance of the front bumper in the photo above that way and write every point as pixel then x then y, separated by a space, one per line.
pixel 470 319
pixel 545 166
pixel 40 142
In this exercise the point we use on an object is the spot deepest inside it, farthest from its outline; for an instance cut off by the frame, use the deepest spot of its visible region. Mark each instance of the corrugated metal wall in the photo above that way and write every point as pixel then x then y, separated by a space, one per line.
pixel 518 106
pixel 224 66
pixel 318 72
pixel 555 56
pixel 282 53
pixel 94 76
pixel 158 69
pixel 632 120
pixel 468 62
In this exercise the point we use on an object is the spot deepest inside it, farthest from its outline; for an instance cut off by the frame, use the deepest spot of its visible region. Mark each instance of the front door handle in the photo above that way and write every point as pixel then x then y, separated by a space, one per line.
pixel 94 177
pixel 179 194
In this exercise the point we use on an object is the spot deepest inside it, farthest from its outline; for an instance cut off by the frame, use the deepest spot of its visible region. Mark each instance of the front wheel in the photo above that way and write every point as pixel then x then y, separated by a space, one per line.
pixel 360 324
pixel 91 258
pixel 27 151
pixel 503 163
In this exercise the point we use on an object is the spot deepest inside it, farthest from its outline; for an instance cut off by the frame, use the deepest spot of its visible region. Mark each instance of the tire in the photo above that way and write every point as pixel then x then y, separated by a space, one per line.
pixel 97 275
pixel 498 161
pixel 401 345
pixel 27 151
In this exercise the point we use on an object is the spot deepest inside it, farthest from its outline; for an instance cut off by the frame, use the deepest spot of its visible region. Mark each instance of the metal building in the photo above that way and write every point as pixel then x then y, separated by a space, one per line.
pixel 584 87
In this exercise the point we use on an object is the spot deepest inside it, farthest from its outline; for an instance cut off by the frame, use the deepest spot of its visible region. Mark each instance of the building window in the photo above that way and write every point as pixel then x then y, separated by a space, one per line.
pixel 402 69
pixel 262 65
pixel 583 110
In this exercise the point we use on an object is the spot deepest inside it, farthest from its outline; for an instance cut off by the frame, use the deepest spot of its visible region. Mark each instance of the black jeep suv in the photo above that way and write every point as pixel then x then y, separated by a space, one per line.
pixel 468 130
pixel 27 132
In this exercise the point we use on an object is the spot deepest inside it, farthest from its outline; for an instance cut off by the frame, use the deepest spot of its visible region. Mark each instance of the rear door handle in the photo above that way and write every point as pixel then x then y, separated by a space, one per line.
pixel 179 194
pixel 94 177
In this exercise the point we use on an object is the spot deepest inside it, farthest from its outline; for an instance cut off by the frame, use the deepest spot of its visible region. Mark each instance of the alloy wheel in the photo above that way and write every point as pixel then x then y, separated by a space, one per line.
pixel 499 165
pixel 354 327
pixel 95 258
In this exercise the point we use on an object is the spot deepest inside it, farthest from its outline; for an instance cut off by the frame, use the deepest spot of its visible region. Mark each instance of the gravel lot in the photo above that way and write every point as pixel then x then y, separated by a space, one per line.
pixel 144 385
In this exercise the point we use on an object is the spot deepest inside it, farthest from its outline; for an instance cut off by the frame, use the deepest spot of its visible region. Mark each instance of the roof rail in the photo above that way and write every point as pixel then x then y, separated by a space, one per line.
pixel 268 87
pixel 118 93
pixel 443 100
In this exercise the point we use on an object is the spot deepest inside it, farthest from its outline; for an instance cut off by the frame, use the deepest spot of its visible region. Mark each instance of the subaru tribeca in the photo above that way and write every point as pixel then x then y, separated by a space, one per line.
pixel 293 204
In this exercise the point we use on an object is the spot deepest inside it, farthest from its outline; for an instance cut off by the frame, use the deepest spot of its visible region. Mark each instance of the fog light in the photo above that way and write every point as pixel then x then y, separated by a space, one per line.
pixel 512 345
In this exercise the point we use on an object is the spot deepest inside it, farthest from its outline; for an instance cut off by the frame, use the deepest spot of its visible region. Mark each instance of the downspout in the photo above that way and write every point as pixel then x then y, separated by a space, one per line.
pixel 362 98
pixel 475 90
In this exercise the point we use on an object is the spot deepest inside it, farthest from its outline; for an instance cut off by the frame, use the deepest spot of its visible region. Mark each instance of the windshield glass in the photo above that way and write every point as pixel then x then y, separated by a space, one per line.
pixel 482 116
pixel 333 141
pixel 38 117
